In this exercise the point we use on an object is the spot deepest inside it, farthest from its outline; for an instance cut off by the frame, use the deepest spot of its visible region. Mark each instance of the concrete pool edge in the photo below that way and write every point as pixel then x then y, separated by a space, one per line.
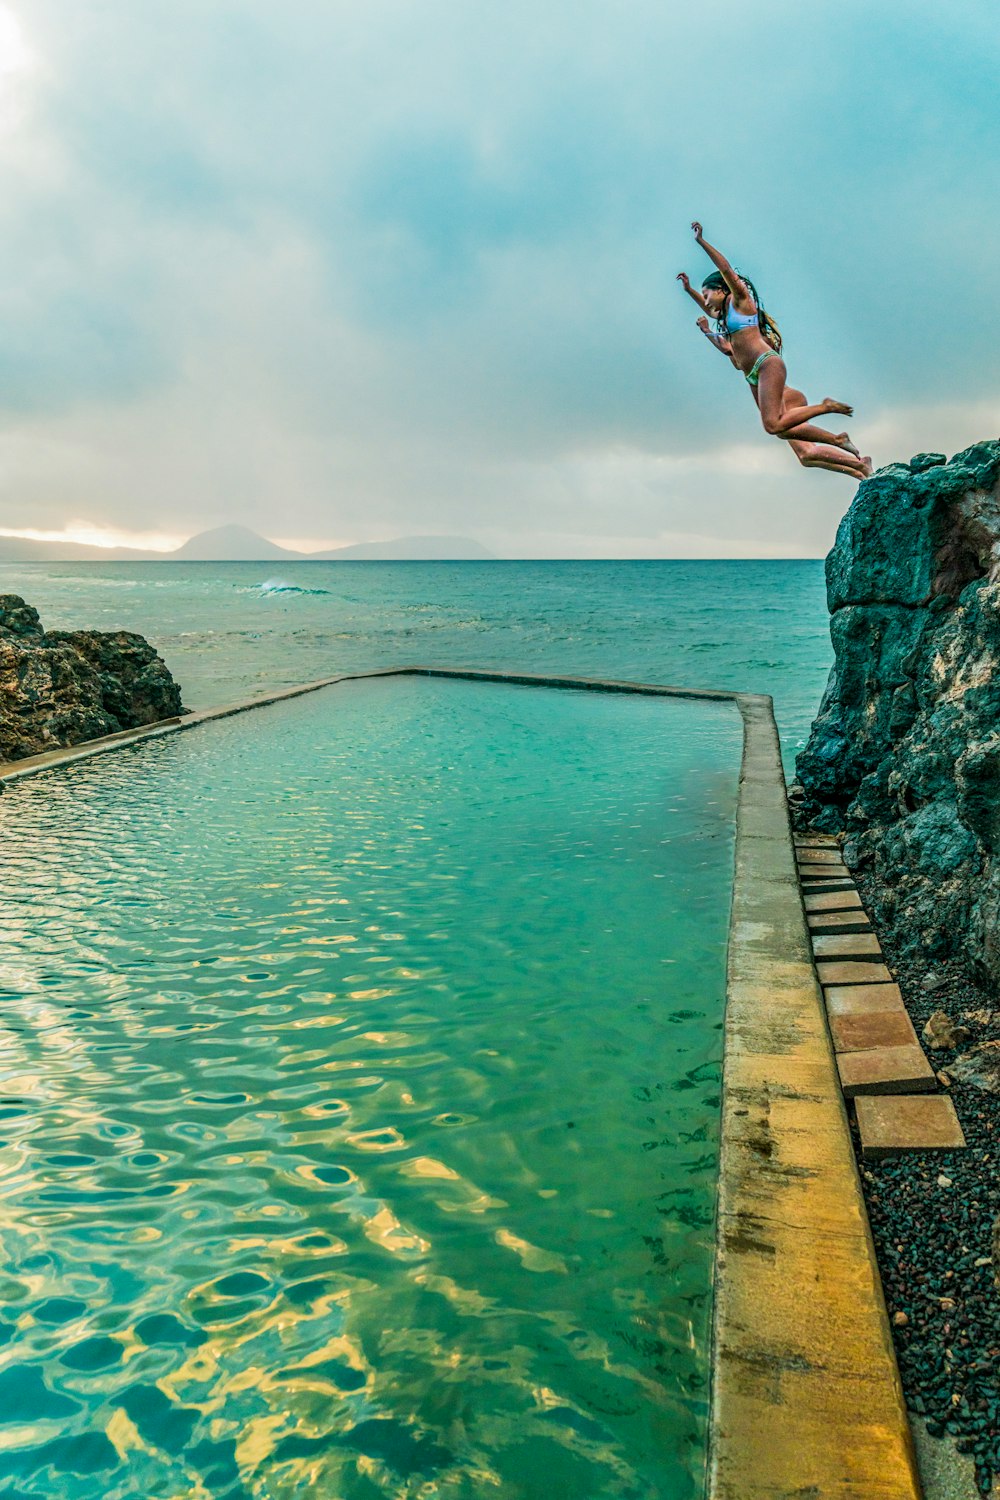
pixel 805 1395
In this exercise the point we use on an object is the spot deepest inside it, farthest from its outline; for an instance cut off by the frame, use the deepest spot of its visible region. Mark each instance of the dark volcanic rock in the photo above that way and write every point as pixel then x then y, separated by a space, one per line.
pixel 904 755
pixel 64 686
pixel 980 1066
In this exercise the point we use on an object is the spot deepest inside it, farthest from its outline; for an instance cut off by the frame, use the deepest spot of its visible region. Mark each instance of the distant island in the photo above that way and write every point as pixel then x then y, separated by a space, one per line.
pixel 240 544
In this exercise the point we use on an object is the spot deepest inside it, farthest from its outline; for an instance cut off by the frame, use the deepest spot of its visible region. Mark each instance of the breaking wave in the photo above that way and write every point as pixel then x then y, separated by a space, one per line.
pixel 281 586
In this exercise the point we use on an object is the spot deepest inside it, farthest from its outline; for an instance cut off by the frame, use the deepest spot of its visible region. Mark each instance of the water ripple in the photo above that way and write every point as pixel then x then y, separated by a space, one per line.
pixel 358 1110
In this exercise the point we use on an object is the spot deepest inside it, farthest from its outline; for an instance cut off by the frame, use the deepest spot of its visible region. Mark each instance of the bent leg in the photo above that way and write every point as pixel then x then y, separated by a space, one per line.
pixel 793 398
pixel 778 420
pixel 816 456
pixel 782 422
pixel 810 434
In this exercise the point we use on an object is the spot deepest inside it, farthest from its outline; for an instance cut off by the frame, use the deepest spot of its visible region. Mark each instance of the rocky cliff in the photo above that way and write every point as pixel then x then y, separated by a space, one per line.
pixel 904 755
pixel 59 687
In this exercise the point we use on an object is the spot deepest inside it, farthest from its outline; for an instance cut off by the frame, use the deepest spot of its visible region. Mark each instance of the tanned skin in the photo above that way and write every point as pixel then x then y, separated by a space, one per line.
pixel 748 344
pixel 814 447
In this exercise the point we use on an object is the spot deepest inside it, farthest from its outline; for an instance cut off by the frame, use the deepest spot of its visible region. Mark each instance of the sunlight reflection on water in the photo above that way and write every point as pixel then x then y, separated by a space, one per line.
pixel 359 1101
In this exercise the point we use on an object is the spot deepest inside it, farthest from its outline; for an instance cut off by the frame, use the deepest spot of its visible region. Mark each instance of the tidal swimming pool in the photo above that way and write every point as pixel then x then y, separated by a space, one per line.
pixel 359 1100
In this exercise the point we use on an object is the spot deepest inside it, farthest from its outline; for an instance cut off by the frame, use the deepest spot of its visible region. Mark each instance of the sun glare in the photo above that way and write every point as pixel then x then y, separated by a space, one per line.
pixel 15 55
pixel 88 535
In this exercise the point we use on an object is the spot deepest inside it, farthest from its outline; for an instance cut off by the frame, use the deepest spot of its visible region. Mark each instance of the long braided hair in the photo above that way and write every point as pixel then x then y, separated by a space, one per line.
pixel 770 331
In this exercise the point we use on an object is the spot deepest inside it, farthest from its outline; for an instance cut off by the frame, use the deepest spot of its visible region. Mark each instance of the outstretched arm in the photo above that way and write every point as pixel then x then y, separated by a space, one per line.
pixel 684 279
pixel 722 265
pixel 723 345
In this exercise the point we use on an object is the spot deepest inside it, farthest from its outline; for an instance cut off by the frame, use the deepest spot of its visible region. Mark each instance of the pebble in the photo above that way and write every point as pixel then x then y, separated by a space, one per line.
pixel 949 1346
pixel 942 1033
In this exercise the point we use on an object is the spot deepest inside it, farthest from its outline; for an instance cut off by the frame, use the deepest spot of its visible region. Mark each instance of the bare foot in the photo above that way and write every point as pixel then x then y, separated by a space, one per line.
pixel 837 406
pixel 844 442
pixel 869 467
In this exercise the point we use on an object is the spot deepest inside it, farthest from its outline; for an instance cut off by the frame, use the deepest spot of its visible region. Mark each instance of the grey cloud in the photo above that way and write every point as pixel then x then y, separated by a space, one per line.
pixel 372 262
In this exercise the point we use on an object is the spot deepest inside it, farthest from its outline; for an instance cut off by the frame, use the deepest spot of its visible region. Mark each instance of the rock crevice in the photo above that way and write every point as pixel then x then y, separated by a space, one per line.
pixel 61 687
pixel 904 755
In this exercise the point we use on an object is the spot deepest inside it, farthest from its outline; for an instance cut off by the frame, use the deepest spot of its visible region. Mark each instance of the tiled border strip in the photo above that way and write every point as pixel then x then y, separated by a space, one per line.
pixel 879 1058
pixel 806 1399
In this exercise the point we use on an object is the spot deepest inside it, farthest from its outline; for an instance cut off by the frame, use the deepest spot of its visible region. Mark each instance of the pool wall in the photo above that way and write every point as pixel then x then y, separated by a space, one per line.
pixel 806 1397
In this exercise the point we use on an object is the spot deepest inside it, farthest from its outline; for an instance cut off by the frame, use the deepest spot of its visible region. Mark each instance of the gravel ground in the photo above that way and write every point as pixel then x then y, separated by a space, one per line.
pixel 932 1218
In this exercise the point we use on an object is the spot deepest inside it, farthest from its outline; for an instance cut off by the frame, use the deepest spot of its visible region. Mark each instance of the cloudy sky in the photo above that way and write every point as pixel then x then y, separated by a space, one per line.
pixel 343 271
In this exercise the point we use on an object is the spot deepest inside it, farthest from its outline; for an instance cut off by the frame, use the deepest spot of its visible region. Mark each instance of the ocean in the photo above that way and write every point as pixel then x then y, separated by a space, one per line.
pixel 228 630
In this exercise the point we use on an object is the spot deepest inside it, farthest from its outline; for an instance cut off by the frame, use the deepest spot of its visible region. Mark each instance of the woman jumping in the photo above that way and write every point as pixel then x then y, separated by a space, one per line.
pixel 755 345
pixel 835 451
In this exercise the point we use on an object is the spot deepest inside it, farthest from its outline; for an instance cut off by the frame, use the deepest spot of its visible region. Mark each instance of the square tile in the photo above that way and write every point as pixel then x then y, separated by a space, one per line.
pixel 885 1070
pixel 838 921
pixel 846 945
pixel 819 856
pixel 852 973
pixel 817 901
pixel 862 999
pixel 866 1030
pixel 890 1126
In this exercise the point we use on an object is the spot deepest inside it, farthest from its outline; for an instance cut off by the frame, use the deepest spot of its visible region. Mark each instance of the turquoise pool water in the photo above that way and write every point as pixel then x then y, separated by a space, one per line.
pixel 359 1100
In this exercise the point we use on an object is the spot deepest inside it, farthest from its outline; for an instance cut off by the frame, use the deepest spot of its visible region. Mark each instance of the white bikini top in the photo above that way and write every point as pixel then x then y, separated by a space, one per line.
pixel 736 321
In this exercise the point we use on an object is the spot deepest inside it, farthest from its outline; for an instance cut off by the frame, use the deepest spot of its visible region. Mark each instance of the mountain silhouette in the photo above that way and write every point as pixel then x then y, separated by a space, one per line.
pixel 229 544
pixel 240 544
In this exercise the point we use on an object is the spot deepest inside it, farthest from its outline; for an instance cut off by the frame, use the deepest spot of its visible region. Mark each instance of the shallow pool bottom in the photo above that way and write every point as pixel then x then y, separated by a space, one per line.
pixel 361 1073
